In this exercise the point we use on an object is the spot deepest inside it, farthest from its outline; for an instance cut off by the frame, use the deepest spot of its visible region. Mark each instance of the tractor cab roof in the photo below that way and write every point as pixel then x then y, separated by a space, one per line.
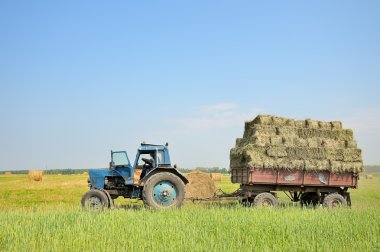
pixel 152 147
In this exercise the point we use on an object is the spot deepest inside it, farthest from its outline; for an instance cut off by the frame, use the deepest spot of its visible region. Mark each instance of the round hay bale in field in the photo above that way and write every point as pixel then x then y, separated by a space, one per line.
pixel 85 173
pixel 200 185
pixel 216 176
pixel 7 173
pixel 35 175
pixel 369 176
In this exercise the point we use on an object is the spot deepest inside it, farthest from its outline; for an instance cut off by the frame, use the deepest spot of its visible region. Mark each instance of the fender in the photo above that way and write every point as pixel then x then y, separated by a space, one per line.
pixel 157 170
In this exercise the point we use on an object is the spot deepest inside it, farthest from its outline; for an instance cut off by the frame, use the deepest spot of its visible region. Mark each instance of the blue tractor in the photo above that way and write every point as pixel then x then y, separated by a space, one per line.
pixel 160 184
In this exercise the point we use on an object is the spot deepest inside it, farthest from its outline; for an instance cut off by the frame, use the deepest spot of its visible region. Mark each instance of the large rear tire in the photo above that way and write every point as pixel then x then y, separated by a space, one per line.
pixel 265 200
pixel 95 200
pixel 164 190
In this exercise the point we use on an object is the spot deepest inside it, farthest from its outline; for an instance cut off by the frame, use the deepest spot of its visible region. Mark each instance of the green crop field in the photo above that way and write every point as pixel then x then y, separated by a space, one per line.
pixel 46 216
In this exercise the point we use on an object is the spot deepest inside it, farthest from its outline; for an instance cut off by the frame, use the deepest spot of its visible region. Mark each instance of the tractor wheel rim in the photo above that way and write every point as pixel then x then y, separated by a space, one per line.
pixel 164 193
pixel 94 203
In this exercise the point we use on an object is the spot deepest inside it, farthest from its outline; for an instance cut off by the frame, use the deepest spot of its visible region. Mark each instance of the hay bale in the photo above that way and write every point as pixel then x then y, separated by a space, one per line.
pixel 7 173
pixel 85 173
pixel 300 123
pixel 260 140
pixel 263 119
pixel 325 125
pixel 298 153
pixel 336 125
pixel 216 176
pixel 352 155
pixel 350 144
pixel 200 185
pixel 333 144
pixel 315 164
pixel 312 124
pixel 276 141
pixel 286 131
pixel 35 175
pixel 314 142
pixel 368 176
pixel 277 152
pixel 260 130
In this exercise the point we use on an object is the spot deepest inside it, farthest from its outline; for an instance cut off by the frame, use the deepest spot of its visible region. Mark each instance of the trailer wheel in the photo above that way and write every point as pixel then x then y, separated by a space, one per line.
pixel 95 200
pixel 265 200
pixel 334 200
pixel 309 199
pixel 164 190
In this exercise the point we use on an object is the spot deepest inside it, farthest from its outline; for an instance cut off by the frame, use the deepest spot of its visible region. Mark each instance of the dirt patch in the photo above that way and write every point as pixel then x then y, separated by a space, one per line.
pixel 200 185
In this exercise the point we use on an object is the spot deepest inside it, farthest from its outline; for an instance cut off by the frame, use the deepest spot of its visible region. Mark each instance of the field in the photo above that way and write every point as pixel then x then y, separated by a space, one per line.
pixel 46 216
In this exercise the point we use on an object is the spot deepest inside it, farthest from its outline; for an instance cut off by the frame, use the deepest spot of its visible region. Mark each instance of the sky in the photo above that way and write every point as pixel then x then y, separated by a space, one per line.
pixel 81 78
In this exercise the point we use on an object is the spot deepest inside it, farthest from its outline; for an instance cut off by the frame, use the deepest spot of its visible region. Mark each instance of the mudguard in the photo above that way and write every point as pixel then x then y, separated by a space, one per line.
pixel 166 169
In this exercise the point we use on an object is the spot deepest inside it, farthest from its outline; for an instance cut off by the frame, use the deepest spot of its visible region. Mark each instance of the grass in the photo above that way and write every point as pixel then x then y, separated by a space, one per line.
pixel 46 216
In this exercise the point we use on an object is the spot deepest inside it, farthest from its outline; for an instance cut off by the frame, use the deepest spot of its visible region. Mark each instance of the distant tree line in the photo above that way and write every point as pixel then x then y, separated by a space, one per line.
pixel 367 168
pixel 55 171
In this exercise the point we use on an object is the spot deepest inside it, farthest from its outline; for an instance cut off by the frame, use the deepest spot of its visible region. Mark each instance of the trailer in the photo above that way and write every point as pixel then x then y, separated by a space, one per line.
pixel 259 187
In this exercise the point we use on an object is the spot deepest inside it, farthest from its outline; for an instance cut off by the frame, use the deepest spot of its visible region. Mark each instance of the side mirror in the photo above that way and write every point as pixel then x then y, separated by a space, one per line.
pixel 175 166
pixel 111 165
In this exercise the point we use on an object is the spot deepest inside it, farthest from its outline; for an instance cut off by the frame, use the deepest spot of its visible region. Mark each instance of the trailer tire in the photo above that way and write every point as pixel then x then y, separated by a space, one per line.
pixel 164 190
pixel 334 200
pixel 95 200
pixel 265 200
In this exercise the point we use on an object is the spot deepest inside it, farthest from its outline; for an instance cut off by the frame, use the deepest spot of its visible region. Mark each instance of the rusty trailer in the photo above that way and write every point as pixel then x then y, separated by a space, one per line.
pixel 259 186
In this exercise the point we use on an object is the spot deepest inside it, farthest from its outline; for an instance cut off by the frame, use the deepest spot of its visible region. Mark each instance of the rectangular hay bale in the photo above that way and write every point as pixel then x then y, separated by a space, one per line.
pixel 277 152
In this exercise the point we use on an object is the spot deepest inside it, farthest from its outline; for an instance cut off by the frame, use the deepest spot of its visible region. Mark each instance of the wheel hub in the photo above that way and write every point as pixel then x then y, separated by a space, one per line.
pixel 164 193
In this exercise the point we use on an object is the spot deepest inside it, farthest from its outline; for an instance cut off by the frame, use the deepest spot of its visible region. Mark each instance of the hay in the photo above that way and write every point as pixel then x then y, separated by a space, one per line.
pixel 136 175
pixel 282 143
pixel 85 173
pixel 276 140
pixel 312 124
pixel 369 176
pixel 200 185
pixel 216 176
pixel 35 175
pixel 7 173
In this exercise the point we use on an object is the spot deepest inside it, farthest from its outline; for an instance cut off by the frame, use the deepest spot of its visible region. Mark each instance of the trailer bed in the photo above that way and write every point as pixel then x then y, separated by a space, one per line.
pixel 300 178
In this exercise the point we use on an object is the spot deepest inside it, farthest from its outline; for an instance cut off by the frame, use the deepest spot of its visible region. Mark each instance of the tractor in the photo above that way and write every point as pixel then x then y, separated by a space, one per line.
pixel 160 185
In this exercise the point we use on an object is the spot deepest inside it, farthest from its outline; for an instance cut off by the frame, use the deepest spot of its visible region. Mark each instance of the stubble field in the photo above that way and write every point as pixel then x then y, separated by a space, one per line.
pixel 46 216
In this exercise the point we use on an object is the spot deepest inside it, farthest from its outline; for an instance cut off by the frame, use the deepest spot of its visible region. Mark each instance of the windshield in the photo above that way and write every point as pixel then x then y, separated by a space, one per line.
pixel 120 159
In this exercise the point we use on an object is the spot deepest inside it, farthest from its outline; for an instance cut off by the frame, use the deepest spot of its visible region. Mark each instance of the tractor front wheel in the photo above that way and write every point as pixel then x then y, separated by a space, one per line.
pixel 95 200
pixel 164 190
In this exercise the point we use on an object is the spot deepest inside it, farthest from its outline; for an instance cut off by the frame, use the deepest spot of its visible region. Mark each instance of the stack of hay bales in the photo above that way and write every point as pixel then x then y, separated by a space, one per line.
pixel 35 175
pixel 200 185
pixel 271 142
pixel 7 173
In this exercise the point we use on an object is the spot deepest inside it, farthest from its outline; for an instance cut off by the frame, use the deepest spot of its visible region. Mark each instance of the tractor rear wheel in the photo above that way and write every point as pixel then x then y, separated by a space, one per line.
pixel 265 200
pixel 164 190
pixel 95 200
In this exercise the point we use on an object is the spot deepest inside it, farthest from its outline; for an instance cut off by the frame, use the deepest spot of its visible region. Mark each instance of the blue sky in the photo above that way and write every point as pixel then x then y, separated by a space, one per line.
pixel 79 78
